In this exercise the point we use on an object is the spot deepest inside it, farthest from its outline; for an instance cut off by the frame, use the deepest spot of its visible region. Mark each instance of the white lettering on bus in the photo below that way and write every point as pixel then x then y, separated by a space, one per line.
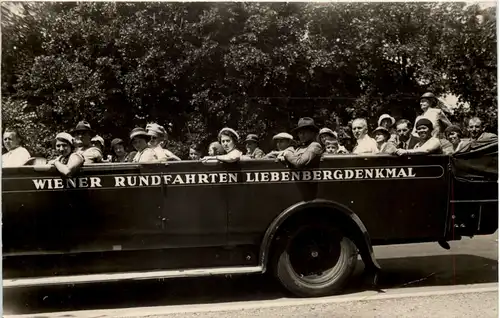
pixel 227 177
pixel 155 180
pixel 119 181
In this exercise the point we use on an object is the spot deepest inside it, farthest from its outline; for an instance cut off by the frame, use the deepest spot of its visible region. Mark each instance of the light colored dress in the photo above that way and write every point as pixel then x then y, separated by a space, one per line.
pixel 145 155
pixel 431 146
pixel 435 115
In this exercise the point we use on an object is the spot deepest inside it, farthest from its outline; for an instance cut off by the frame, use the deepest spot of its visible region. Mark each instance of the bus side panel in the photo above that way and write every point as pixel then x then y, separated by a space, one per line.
pixel 392 209
pixel 124 213
pixel 85 219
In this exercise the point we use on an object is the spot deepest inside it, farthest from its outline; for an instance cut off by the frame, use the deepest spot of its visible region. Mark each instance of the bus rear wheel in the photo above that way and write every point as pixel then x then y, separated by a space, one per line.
pixel 316 260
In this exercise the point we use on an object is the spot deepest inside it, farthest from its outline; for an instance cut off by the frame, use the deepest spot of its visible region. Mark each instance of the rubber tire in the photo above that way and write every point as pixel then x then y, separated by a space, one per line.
pixel 286 275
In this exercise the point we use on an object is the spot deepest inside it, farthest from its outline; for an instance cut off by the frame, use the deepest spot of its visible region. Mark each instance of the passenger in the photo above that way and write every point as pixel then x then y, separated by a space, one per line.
pixel 228 137
pixel 158 138
pixel 326 134
pixel 16 155
pixel 427 144
pixel 309 151
pixel 428 104
pixel 118 152
pixel 69 161
pixel 283 141
pixel 83 134
pixel 139 139
pixel 331 148
pixel 405 137
pixel 194 152
pixel 364 143
pixel 98 142
pixel 381 136
pixel 345 139
pixel 387 121
pixel 454 135
pixel 215 149
pixel 476 130
pixel 252 145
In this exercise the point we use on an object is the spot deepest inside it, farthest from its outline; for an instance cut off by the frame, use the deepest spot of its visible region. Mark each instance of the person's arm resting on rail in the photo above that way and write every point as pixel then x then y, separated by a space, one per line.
pixel 300 160
pixel 75 161
pixel 233 156
pixel 430 146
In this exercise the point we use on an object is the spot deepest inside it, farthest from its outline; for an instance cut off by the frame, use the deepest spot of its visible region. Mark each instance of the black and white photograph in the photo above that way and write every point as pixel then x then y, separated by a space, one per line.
pixel 249 159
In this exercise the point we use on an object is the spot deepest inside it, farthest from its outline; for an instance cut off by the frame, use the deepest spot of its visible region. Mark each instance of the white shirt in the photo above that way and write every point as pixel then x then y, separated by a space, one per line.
pixel 16 157
pixel 434 115
pixel 365 144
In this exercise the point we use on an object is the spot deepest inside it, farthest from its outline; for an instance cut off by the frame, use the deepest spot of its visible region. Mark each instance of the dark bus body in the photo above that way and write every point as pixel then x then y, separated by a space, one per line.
pixel 144 221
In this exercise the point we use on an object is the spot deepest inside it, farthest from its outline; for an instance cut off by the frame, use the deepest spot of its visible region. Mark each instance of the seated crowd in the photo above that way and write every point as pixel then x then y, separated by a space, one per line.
pixel 426 136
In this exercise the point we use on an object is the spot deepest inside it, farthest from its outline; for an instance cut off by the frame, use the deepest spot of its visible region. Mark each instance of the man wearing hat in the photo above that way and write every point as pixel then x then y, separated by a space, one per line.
pixel 427 143
pixel 158 136
pixel 309 150
pixel 283 141
pixel 428 104
pixel 139 139
pixel 364 143
pixel 252 145
pixel 83 134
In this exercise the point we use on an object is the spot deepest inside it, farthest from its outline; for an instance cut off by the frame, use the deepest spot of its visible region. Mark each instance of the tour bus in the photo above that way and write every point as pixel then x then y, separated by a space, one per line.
pixel 128 221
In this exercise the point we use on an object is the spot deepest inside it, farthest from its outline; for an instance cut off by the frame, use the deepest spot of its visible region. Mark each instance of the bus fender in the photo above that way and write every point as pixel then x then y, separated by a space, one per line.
pixel 363 244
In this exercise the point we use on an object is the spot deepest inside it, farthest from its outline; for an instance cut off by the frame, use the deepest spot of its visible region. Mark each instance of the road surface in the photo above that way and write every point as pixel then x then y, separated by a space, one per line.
pixel 419 280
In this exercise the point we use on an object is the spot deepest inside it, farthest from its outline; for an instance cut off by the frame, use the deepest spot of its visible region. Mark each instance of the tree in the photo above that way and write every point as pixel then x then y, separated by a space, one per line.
pixel 257 67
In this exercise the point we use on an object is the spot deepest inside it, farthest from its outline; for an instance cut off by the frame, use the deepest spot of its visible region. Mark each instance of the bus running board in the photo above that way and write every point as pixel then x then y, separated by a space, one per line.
pixel 114 277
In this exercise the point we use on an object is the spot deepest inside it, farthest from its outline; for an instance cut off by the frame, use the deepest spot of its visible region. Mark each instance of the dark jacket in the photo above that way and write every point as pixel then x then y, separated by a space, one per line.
pixel 410 143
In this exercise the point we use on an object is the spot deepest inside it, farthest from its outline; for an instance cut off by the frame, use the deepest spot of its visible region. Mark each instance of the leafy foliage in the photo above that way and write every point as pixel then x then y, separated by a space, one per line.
pixel 257 67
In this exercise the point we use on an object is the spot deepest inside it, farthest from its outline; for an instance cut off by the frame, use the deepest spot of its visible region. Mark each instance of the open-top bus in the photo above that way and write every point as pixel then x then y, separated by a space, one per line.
pixel 149 221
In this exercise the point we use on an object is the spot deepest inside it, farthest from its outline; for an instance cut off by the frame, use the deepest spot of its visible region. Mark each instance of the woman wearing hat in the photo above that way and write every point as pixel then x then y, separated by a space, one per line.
pixel 69 161
pixel 83 134
pixel 387 121
pixel 428 104
pixel 309 151
pixel 330 137
pixel 454 135
pixel 228 138
pixel 139 139
pixel 283 141
pixel 427 143
pixel 158 137
pixel 98 142
pixel 381 136
pixel 252 145
pixel 118 151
